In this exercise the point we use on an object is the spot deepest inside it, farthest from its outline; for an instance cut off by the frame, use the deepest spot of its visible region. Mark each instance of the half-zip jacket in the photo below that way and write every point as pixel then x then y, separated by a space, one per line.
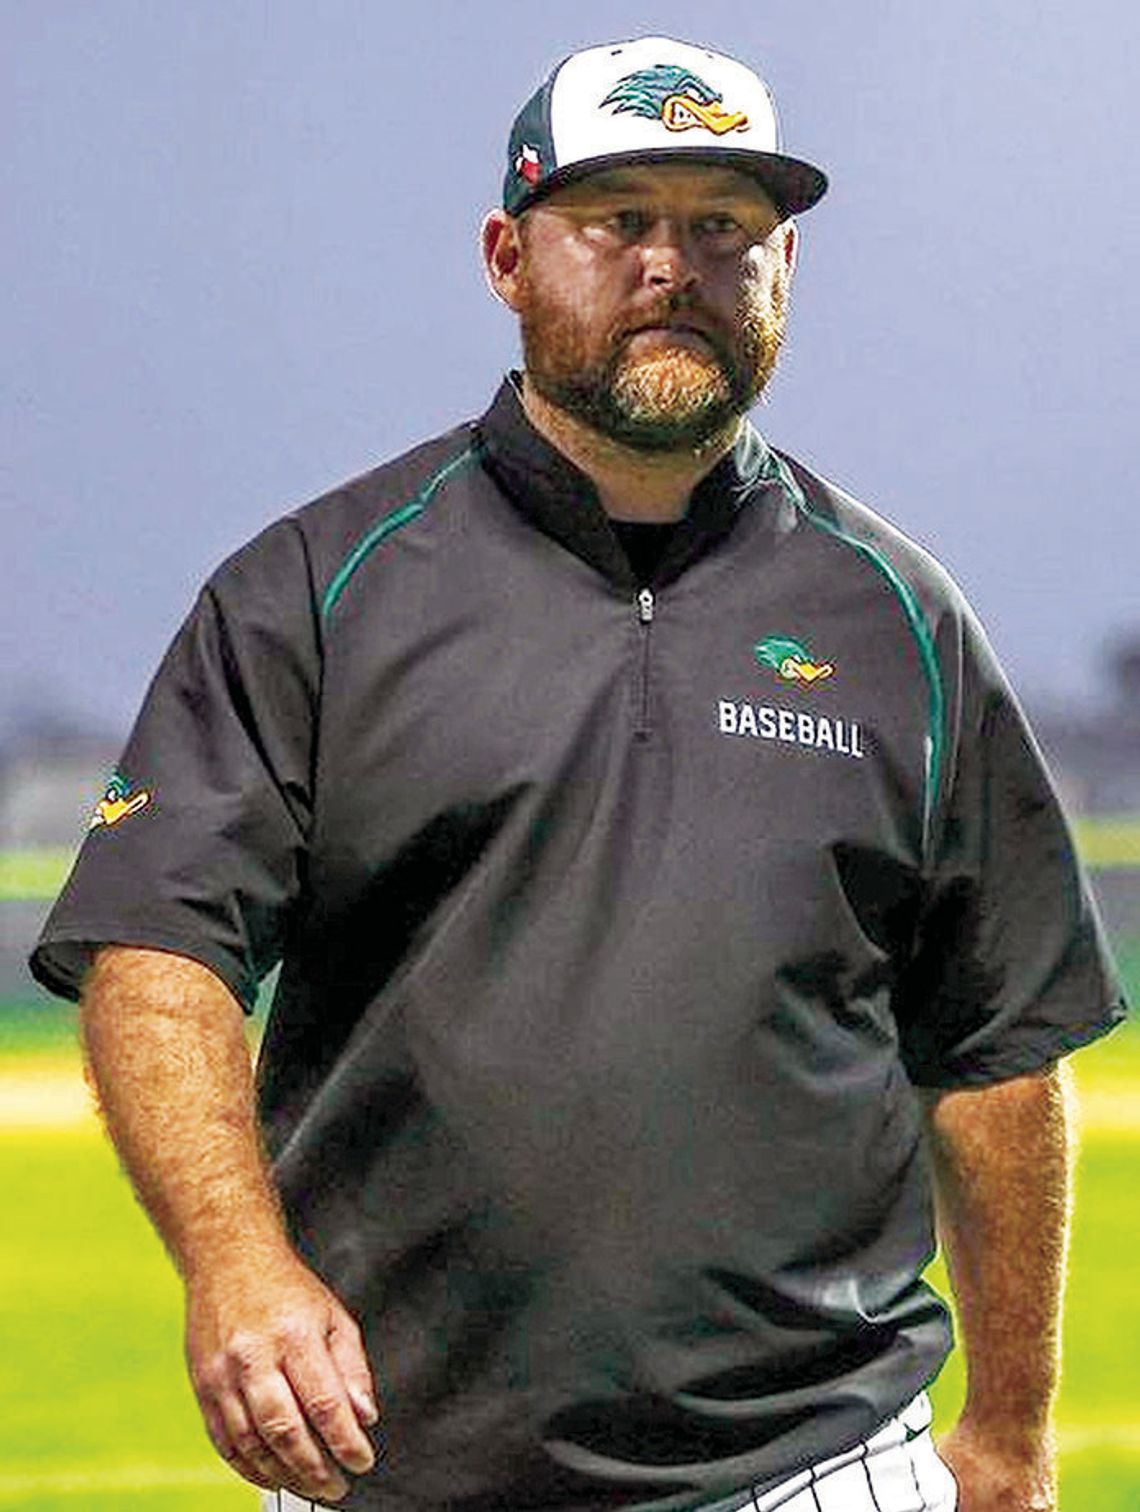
pixel 645 607
pixel 618 921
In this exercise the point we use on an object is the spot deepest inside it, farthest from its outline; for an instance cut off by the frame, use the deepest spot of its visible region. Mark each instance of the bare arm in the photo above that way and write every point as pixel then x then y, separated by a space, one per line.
pixel 1001 1160
pixel 277 1363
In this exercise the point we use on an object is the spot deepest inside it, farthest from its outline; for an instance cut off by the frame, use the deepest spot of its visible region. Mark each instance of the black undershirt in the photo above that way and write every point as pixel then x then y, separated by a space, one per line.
pixel 644 543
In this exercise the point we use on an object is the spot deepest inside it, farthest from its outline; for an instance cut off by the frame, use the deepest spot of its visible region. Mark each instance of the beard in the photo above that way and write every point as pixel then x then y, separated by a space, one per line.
pixel 677 397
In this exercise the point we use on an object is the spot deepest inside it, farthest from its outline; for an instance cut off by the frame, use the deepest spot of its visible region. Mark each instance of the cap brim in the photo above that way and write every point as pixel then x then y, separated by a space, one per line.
pixel 792 185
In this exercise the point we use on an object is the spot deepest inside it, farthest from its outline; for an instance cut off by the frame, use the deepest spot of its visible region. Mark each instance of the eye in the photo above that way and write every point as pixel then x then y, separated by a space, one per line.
pixel 720 224
pixel 630 223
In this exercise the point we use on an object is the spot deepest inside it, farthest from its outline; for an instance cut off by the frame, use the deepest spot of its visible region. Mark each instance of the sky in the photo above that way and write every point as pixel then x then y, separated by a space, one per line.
pixel 240 265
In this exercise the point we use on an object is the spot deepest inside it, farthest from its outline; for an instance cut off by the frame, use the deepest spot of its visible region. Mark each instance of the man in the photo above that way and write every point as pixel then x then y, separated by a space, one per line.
pixel 666 889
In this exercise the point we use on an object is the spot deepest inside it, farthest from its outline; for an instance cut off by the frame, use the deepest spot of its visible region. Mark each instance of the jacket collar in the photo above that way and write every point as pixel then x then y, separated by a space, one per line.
pixel 561 500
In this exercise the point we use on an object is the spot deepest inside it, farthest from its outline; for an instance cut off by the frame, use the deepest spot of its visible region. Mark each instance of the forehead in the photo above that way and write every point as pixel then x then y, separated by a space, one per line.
pixel 676 182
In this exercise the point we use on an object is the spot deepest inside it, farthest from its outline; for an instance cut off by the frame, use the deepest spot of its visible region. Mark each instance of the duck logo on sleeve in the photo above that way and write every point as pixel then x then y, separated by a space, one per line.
pixel 677 97
pixel 119 801
pixel 791 660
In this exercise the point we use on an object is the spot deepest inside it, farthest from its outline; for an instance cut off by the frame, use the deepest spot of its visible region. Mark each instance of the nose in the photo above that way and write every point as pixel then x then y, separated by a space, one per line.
pixel 667 255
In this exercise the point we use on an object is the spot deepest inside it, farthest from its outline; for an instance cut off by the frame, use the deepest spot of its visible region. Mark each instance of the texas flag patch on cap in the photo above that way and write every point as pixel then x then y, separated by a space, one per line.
pixel 651 98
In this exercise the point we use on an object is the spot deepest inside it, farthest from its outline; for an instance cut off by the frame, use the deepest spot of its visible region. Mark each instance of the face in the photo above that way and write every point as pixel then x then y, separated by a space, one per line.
pixel 651 300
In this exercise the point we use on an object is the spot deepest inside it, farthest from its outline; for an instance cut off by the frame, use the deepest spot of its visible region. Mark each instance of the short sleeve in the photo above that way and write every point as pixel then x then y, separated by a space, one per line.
pixel 1011 969
pixel 197 845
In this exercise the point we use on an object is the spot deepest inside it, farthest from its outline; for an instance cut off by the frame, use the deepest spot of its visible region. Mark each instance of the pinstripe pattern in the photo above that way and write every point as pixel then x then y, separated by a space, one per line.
pixel 870 1486
pixel 896 1470
pixel 917 1487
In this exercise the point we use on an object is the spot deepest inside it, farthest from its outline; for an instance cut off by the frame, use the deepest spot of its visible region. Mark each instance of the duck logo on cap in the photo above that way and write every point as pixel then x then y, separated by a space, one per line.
pixel 676 97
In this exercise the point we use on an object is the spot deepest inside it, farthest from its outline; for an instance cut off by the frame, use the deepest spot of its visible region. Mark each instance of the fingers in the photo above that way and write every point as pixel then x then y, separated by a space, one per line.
pixel 284 1429
pixel 228 1426
pixel 259 1425
pixel 286 1393
pixel 320 1389
pixel 346 1346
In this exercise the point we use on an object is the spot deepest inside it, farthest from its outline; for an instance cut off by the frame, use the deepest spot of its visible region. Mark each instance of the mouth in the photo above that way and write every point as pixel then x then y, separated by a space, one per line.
pixel 669 324
pixel 684 333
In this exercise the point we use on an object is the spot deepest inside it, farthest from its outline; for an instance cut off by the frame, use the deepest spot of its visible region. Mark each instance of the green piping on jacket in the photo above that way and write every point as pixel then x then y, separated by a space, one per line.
pixel 385 527
pixel 936 702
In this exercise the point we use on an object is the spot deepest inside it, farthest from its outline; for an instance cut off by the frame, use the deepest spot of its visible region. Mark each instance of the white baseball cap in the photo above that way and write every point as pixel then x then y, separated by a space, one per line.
pixel 652 99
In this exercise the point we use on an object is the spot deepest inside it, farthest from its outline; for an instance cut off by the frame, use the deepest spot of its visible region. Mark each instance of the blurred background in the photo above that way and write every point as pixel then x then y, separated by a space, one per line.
pixel 240 265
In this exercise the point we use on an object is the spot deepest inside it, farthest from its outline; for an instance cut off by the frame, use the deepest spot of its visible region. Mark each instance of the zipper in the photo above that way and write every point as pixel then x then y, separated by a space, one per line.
pixel 645 605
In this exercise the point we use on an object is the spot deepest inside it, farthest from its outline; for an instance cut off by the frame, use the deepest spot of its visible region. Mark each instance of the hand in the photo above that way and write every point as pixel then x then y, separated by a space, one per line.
pixel 998 1472
pixel 280 1373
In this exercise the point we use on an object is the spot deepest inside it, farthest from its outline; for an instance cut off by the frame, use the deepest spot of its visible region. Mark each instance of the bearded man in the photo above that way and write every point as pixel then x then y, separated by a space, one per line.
pixel 642 828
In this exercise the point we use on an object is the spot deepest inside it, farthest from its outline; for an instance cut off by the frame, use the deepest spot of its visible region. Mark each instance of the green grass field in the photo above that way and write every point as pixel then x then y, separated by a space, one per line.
pixel 96 1412
pixel 1102 842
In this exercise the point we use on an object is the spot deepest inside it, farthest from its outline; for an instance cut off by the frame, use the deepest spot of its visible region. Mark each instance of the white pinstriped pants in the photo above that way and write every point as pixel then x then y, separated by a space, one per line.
pixel 896 1470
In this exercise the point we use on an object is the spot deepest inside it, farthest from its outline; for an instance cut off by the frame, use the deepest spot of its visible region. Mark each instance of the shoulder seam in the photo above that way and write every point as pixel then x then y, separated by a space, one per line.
pixel 385 527
pixel 934 739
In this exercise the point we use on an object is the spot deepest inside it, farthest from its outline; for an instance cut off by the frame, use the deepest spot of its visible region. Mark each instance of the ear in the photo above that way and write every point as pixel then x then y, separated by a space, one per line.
pixel 791 234
pixel 502 256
